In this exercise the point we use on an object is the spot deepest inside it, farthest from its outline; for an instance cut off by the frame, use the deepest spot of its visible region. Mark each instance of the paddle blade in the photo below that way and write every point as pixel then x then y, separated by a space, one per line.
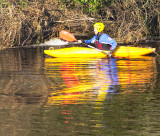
pixel 67 36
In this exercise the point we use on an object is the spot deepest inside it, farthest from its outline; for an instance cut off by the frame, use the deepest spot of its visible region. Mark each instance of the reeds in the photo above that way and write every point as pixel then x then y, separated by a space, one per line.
pixel 135 20
pixel 10 25
pixel 29 22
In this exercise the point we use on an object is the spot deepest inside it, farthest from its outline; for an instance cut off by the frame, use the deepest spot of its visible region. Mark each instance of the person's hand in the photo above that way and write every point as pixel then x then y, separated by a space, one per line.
pixel 79 41
pixel 109 54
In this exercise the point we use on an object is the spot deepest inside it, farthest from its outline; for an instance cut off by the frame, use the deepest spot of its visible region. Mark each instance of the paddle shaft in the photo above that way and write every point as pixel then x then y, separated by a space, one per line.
pixel 89 47
pixel 97 49
pixel 92 47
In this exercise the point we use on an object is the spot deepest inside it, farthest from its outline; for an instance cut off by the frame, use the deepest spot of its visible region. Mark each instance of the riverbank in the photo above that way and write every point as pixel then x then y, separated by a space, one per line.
pixel 34 22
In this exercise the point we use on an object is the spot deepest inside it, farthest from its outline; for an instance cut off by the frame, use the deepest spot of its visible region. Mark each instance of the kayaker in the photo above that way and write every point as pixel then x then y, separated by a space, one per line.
pixel 101 40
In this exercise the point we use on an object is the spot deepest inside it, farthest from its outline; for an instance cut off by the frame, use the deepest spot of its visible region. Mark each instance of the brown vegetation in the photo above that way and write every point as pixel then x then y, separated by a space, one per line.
pixel 30 22
pixel 34 22
pixel 134 18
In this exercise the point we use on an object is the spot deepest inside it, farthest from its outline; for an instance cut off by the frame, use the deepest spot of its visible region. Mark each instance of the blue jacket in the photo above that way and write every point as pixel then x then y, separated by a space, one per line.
pixel 103 39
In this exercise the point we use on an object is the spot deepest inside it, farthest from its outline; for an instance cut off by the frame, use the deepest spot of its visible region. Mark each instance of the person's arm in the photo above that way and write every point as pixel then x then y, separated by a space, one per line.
pixel 92 40
pixel 113 47
pixel 106 39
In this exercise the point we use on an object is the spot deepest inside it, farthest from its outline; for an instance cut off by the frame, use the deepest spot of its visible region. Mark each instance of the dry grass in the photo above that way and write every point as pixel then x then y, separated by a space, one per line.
pixel 10 25
pixel 34 21
pixel 131 20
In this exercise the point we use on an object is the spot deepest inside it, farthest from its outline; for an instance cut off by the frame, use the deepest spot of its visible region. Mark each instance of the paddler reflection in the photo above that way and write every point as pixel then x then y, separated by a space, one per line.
pixel 84 80
pixel 108 78
pixel 107 69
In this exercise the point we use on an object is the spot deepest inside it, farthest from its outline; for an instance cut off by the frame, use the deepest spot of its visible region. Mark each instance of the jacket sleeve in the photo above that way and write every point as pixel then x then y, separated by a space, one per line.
pixel 92 40
pixel 106 39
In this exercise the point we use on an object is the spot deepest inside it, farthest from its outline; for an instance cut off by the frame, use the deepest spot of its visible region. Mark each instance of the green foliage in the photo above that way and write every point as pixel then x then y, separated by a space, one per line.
pixel 89 6
pixel 23 3
pixel 4 3
pixel 20 3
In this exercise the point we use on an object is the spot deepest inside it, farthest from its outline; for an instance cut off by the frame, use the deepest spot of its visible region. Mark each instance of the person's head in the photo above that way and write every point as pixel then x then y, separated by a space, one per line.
pixel 98 27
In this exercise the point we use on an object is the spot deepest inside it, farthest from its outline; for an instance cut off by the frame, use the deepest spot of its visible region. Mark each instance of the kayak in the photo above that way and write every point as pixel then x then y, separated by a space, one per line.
pixel 84 52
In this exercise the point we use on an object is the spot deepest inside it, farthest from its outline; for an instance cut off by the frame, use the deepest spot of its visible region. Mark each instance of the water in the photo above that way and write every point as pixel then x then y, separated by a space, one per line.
pixel 43 96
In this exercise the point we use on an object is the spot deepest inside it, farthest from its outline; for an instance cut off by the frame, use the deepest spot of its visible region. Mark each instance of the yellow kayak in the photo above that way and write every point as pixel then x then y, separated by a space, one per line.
pixel 120 52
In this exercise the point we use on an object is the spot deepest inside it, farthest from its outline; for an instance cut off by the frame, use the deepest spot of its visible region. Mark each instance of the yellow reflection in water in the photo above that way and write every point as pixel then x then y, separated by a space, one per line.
pixel 136 72
pixel 90 80
pixel 76 77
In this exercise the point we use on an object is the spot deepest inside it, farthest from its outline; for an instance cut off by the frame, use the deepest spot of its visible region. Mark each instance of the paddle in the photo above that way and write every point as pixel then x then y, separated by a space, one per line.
pixel 67 36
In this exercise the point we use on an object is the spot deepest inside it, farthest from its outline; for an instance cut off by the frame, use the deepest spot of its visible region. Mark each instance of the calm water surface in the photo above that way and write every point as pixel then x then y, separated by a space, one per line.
pixel 43 96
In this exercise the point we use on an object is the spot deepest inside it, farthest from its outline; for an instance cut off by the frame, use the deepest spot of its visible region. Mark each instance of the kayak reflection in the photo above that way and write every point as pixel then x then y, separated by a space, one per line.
pixel 82 79
pixel 92 80
pixel 136 74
